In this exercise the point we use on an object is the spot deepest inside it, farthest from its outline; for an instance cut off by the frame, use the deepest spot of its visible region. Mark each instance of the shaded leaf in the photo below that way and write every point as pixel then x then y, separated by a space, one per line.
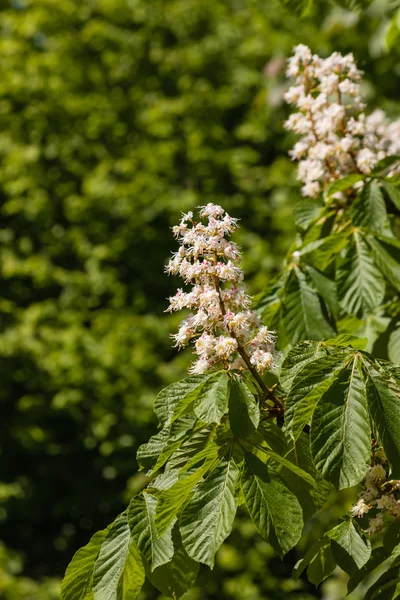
pixel 321 565
pixel 391 537
pixel 393 192
pixel 369 208
pixel 244 412
pixel 302 313
pixel 288 464
pixel 350 549
pixel 386 253
pixel 378 556
pixel 325 287
pixel 176 577
pixel 384 404
pixel 320 253
pixel 385 588
pixel 394 345
pixel 311 553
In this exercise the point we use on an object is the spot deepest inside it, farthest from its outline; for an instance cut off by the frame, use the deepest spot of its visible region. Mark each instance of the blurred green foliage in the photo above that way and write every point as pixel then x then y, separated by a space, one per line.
pixel 115 115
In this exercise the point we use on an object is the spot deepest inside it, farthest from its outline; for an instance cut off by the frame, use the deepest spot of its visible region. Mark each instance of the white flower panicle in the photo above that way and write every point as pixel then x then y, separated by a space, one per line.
pixel 378 496
pixel 225 331
pixel 337 137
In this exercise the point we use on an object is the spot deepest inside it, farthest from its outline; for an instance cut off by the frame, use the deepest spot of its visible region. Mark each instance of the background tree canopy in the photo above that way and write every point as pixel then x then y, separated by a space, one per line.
pixel 116 115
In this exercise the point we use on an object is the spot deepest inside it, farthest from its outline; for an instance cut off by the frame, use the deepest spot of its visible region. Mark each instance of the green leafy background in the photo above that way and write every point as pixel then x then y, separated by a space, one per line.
pixel 115 115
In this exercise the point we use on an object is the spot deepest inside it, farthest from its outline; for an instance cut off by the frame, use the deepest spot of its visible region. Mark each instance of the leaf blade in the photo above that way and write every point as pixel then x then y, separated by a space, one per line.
pixel 208 517
pixel 274 509
pixel 340 430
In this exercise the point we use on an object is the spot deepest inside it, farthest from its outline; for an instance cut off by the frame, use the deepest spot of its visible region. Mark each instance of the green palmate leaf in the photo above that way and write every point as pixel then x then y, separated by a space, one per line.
pixel 386 253
pixel 208 517
pixel 320 253
pixel 244 412
pixel 165 480
pixel 345 183
pixel 311 553
pixel 176 577
pixel 383 395
pixel 269 302
pixel 156 549
pixel 360 283
pixel 312 497
pixel 318 560
pixel 132 577
pixel 273 436
pixel 344 341
pixel 321 565
pixel 394 344
pixel 391 537
pixel 340 429
pixel 386 587
pixel 173 400
pixel 385 163
pixel 301 7
pixel 211 403
pixel 147 454
pixel 190 448
pixel 209 452
pixel 288 464
pixel 78 580
pixel 350 549
pixel 307 388
pixel 325 287
pixel 301 354
pixel 274 509
pixel 356 5
pixel 302 313
pixel 172 500
pixel 153 455
pixel 369 208
pixel 306 211
pixel 378 556
pixel 393 192
pixel 372 327
pixel 118 572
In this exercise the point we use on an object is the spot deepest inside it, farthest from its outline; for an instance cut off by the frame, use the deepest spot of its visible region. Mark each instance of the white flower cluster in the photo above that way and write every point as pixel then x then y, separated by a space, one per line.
pixel 378 495
pixel 225 331
pixel 337 137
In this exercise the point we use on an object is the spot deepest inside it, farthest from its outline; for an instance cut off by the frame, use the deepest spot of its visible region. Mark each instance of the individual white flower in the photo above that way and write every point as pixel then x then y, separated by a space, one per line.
pixel 375 473
pixel 360 509
pixel 262 360
pixel 225 346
